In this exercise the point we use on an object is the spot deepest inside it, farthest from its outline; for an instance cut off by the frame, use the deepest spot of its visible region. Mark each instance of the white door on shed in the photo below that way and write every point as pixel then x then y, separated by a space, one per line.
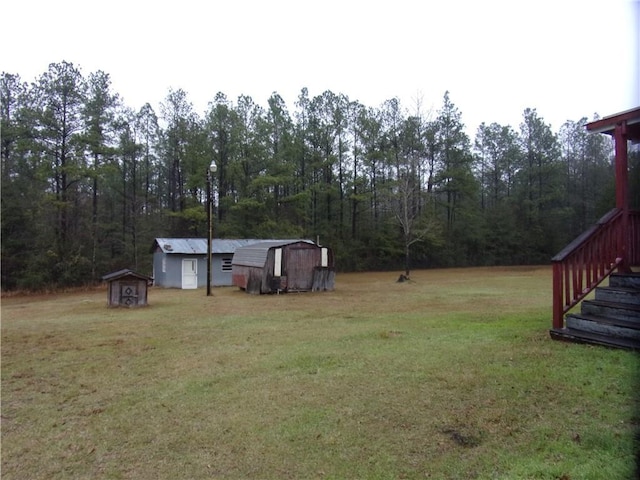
pixel 189 273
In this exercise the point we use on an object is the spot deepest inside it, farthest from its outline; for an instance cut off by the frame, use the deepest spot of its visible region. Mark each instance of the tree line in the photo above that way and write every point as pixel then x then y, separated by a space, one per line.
pixel 88 183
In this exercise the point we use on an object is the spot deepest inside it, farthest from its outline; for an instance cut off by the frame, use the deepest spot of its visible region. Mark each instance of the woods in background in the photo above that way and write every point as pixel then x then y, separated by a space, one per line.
pixel 88 183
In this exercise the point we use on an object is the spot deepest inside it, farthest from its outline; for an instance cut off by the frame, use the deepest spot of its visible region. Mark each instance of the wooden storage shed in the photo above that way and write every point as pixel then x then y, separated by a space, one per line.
pixel 127 288
pixel 283 266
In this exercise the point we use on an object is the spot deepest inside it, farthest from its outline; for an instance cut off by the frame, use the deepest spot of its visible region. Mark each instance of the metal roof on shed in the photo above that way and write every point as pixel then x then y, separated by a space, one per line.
pixel 255 255
pixel 198 246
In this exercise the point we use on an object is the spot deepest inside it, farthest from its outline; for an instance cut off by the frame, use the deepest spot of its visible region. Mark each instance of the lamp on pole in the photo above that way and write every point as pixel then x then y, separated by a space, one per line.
pixel 210 171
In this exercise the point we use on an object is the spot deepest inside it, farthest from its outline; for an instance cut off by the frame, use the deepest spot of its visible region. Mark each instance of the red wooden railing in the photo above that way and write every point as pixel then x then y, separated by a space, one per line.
pixel 592 257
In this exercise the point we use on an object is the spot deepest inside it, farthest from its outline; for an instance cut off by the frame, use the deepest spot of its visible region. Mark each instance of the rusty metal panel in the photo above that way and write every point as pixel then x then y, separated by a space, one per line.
pixel 240 276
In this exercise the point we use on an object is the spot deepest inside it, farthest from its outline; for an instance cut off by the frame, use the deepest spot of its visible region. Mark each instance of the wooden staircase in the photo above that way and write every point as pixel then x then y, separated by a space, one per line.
pixel 611 319
pixel 611 245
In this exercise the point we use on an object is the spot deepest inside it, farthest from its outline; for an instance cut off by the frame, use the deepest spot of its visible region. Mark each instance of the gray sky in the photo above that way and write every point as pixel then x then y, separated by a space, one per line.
pixel 566 58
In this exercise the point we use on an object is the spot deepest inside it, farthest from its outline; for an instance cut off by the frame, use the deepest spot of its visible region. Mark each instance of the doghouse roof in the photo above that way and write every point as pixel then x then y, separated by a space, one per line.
pixel 255 255
pixel 124 273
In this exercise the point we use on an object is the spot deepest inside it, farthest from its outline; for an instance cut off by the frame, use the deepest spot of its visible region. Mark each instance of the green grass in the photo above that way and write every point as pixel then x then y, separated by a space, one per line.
pixel 451 376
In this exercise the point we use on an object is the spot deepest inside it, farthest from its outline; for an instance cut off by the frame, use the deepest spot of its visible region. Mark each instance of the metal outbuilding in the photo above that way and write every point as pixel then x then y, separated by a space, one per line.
pixel 127 288
pixel 283 266
pixel 182 262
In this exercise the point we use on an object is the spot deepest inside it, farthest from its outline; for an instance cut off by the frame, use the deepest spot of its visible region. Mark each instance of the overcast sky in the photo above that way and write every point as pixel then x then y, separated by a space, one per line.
pixel 566 58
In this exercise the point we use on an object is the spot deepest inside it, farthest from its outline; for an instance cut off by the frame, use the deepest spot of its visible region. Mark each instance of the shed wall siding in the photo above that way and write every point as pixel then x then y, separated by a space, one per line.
pixel 172 277
pixel 174 271
pixel 300 261
pixel 159 277
pixel 220 278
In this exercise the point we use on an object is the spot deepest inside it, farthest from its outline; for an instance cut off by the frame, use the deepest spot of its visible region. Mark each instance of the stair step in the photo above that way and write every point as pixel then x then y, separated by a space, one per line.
pixel 593 338
pixel 626 280
pixel 630 296
pixel 611 319
pixel 618 311
pixel 603 325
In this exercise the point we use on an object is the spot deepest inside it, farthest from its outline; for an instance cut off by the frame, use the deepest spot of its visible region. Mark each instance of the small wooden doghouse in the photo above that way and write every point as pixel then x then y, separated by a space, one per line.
pixel 283 266
pixel 127 288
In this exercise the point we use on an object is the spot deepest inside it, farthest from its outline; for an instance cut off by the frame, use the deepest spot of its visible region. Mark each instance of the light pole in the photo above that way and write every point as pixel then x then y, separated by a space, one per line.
pixel 210 171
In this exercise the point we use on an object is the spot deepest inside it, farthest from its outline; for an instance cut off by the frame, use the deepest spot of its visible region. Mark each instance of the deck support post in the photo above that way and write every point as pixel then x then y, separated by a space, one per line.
pixel 622 190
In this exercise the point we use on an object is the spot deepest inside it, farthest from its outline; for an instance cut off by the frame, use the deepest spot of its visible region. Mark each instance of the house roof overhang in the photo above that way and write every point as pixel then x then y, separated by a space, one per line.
pixel 630 118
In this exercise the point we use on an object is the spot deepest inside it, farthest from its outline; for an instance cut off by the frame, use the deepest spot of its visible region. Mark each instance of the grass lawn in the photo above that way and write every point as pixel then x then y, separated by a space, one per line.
pixel 449 376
